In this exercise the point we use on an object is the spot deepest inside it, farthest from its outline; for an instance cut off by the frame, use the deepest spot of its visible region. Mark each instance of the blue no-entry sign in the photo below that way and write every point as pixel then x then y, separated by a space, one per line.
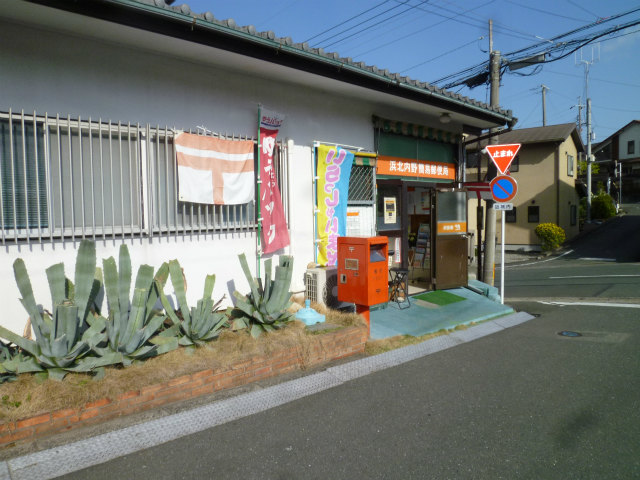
pixel 503 188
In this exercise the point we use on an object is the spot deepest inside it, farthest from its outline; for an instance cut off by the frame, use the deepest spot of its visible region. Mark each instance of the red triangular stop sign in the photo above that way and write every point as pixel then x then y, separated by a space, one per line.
pixel 503 155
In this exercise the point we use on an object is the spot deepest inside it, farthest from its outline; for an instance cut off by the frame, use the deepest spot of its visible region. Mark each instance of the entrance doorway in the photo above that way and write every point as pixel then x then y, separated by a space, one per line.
pixel 427 230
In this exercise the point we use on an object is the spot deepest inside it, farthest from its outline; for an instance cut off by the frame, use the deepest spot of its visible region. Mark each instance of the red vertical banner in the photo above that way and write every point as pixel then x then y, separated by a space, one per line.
pixel 274 226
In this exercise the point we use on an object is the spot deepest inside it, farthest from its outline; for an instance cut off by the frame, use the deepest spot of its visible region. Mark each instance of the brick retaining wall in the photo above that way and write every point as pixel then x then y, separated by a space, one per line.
pixel 326 347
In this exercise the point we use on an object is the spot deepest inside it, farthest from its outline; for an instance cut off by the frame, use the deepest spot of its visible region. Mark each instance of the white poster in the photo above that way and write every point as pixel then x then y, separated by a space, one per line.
pixel 360 222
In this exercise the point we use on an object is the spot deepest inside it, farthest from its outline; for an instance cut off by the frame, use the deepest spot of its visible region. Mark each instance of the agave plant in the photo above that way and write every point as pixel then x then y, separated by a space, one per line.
pixel 133 325
pixel 64 340
pixel 198 324
pixel 11 357
pixel 265 308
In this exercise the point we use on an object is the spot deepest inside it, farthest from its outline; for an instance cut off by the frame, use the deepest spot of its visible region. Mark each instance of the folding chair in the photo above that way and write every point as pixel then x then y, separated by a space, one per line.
pixel 399 287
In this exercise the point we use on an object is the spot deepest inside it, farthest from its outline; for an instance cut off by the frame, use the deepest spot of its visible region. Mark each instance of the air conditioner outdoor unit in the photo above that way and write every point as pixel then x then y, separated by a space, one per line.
pixel 321 286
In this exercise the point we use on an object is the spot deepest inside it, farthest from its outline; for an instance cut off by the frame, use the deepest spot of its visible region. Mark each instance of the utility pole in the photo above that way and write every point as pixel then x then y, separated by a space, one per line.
pixel 490 224
pixel 587 64
pixel 544 105
pixel 589 160
pixel 579 122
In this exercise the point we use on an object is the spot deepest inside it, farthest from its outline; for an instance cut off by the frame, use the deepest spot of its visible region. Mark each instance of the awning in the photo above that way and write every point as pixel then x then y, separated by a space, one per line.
pixel 414 130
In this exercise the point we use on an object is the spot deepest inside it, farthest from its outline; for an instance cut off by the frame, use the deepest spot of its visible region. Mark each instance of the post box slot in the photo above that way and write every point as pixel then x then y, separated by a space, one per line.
pixel 377 253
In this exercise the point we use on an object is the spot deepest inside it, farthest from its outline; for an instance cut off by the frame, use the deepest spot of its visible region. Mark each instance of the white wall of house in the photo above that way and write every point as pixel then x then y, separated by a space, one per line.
pixel 69 74
pixel 631 134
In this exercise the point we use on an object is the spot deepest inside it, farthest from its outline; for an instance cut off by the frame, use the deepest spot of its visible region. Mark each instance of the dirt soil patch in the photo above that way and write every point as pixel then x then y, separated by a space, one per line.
pixel 28 396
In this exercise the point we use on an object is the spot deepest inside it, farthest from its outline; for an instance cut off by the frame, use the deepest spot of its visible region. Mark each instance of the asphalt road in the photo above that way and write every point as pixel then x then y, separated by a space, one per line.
pixel 603 265
pixel 522 403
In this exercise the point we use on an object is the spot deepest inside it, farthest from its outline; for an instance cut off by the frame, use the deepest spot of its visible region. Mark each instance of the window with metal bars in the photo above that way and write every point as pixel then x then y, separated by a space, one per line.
pixel 22 176
pixel 361 185
pixel 62 178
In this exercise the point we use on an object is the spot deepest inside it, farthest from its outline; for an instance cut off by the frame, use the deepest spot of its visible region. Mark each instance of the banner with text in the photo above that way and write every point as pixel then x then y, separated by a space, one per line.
pixel 334 170
pixel 274 226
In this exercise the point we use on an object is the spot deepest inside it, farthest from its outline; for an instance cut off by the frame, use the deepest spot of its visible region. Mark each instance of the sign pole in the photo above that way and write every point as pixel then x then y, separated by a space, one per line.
pixel 502 267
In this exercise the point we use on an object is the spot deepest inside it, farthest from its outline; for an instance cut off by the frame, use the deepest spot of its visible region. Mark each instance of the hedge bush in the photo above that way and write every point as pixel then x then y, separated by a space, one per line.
pixel 551 235
pixel 602 206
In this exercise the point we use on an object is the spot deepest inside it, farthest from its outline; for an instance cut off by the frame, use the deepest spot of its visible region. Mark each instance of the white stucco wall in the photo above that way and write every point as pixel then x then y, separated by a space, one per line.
pixel 630 134
pixel 62 73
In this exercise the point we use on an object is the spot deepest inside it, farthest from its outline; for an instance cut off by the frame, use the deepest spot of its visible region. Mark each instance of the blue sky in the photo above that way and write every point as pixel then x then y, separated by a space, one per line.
pixel 430 39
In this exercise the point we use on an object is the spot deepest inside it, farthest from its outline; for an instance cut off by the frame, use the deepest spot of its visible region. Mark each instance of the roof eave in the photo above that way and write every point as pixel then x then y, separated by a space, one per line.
pixel 169 21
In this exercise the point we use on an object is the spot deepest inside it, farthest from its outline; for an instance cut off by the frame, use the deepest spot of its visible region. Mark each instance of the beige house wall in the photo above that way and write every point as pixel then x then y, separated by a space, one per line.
pixel 544 180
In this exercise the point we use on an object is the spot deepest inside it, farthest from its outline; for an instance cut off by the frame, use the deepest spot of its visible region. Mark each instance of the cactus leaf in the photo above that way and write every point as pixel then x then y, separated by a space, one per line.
pixel 168 308
pixel 252 283
pixel 124 281
pixel 28 300
pixel 164 344
pixel 57 283
pixel 85 274
pixel 177 280
pixel 27 345
pixel 267 279
pixel 256 331
pixel 209 283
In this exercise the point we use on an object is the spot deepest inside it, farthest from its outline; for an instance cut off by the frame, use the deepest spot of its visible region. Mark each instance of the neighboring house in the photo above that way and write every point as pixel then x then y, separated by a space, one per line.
pixel 545 170
pixel 620 154
pixel 94 92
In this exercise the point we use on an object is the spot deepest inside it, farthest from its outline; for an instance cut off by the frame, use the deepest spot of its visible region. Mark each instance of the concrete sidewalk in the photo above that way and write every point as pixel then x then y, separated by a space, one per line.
pixel 420 318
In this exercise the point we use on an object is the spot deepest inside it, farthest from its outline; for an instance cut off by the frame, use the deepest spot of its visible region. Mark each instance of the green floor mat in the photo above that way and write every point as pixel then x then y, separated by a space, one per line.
pixel 439 297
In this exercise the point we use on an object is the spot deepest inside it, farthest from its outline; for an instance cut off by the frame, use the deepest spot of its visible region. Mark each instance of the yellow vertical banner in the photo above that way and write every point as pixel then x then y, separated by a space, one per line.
pixel 333 170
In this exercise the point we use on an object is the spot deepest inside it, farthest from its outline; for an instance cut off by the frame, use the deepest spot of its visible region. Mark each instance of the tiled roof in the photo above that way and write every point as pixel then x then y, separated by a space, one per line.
pixel 249 32
pixel 549 133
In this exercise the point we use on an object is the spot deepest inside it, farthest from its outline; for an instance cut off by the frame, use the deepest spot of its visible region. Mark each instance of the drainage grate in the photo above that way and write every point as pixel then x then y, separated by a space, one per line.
pixel 568 333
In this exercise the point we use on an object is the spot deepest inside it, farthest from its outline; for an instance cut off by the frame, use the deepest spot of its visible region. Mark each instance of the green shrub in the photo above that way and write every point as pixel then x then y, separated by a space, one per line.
pixel 551 235
pixel 602 206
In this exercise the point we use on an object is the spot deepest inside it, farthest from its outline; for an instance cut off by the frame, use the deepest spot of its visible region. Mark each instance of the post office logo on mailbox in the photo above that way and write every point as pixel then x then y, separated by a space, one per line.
pixel 351 263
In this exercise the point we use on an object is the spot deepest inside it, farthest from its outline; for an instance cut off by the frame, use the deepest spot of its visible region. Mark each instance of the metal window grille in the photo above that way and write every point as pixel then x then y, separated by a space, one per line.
pixel 70 178
pixel 361 185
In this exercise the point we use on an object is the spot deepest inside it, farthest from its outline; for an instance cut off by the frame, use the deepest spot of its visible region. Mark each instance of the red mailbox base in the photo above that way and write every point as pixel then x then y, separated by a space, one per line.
pixel 364 311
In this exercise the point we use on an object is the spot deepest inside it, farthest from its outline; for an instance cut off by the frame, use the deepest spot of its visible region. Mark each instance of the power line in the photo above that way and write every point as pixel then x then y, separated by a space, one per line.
pixel 441 55
pixel 477 74
pixel 347 20
pixel 582 8
pixel 446 18
pixel 411 7
pixel 594 78
pixel 546 12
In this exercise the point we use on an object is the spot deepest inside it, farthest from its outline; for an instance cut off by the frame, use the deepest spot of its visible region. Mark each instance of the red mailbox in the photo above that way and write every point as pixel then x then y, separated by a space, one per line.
pixel 363 271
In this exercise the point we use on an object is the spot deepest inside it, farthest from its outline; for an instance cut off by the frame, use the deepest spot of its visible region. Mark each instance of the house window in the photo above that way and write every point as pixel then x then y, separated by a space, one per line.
pixel 510 215
pixel 473 160
pixel 533 214
pixel 68 178
pixel 570 165
pixel 23 187
pixel 631 147
pixel 573 214
pixel 515 164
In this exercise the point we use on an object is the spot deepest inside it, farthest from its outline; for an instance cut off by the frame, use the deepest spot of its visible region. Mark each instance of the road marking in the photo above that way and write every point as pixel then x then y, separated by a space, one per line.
pixel 592 304
pixel 535 263
pixel 596 259
pixel 595 276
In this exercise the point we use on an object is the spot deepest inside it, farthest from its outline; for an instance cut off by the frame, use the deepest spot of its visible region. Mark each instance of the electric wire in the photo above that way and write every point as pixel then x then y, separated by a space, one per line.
pixel 347 20
pixel 352 34
pixel 441 55
pixel 562 50
pixel 403 37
